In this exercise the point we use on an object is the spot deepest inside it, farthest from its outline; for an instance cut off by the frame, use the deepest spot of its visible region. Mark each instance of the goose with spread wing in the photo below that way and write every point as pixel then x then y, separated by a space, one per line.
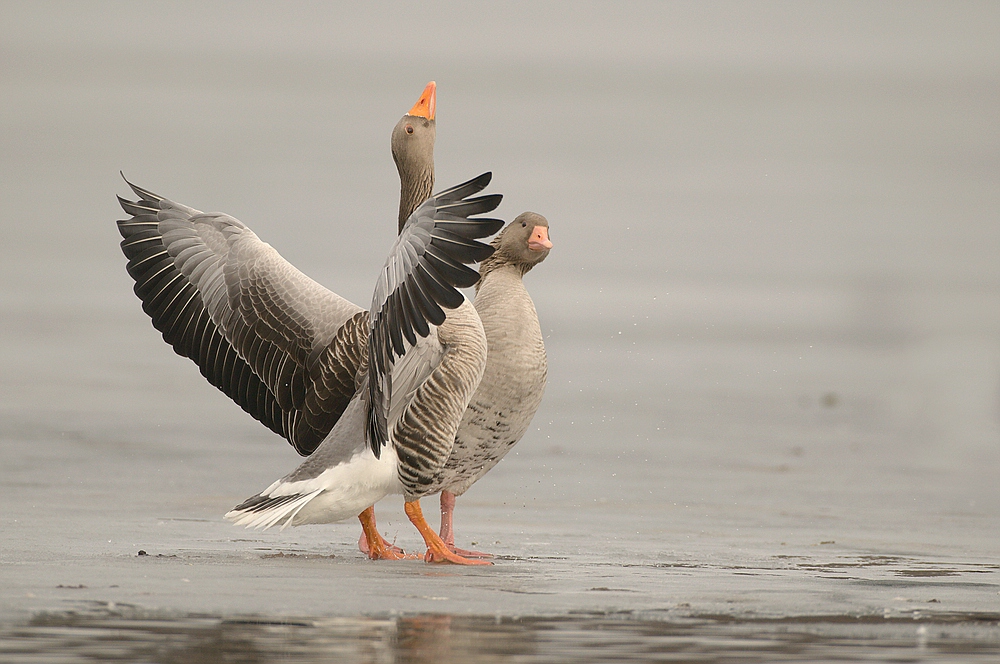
pixel 285 349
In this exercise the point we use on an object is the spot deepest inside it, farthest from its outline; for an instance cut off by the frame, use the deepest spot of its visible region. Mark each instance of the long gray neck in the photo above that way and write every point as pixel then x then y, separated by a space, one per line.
pixel 415 187
pixel 500 260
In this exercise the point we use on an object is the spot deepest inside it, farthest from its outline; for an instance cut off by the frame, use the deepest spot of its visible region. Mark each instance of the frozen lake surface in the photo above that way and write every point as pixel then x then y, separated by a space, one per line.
pixel 772 425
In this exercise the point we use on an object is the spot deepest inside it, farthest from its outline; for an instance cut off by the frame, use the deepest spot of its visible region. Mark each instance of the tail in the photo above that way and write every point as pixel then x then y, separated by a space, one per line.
pixel 266 509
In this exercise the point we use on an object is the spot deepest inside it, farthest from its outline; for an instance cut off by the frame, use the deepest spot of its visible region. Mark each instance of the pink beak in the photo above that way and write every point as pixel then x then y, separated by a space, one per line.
pixel 539 239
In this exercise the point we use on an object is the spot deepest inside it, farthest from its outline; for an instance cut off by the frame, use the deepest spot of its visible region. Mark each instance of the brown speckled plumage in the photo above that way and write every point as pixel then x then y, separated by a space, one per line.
pixel 513 382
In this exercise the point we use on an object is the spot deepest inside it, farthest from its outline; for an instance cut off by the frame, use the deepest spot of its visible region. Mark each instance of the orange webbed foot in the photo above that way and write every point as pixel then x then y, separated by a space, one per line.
pixel 384 550
pixel 373 545
pixel 437 550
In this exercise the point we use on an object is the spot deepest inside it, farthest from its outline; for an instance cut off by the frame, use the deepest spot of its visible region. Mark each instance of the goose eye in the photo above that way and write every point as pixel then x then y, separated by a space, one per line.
pixel 409 129
pixel 524 224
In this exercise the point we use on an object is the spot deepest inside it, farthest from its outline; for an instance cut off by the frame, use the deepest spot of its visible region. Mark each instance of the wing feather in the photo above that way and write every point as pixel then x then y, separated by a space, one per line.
pixel 466 189
pixel 420 278
pixel 258 329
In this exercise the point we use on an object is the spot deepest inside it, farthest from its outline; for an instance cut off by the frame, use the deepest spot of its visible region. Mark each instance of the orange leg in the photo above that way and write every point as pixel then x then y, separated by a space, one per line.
pixel 437 552
pixel 448 528
pixel 378 549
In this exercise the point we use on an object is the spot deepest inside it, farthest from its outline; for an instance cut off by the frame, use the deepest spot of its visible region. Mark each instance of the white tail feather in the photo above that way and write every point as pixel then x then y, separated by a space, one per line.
pixel 264 519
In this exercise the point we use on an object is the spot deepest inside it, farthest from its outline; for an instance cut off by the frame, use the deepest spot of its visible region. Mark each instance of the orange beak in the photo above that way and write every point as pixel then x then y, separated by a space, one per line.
pixel 539 239
pixel 424 108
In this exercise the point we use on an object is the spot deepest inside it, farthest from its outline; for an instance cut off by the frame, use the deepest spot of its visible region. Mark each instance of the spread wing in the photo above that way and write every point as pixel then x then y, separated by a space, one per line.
pixel 420 279
pixel 283 347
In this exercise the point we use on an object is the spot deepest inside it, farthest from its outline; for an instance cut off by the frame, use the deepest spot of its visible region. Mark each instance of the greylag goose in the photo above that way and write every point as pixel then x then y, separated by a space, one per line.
pixel 298 400
pixel 207 277
pixel 296 378
pixel 514 379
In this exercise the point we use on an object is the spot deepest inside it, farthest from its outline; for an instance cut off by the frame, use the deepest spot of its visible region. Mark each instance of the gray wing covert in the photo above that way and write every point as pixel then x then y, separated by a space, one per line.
pixel 283 347
pixel 421 277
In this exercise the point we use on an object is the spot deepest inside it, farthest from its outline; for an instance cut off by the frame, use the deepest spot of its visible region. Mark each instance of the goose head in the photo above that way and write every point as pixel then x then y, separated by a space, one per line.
pixel 413 151
pixel 524 242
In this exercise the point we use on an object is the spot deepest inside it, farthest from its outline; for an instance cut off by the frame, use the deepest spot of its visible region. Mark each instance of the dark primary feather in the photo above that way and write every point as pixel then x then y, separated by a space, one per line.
pixel 178 312
pixel 460 226
pixel 471 206
pixel 460 191
pixel 143 194
pixel 460 248
pixel 458 274
pixel 421 277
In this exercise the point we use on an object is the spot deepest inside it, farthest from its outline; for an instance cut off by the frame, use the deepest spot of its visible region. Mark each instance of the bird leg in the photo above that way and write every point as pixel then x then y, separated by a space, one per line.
pixel 437 551
pixel 379 549
pixel 448 528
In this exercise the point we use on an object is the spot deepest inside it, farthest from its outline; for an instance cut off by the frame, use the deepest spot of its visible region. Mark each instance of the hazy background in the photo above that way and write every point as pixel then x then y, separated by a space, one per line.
pixel 772 311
